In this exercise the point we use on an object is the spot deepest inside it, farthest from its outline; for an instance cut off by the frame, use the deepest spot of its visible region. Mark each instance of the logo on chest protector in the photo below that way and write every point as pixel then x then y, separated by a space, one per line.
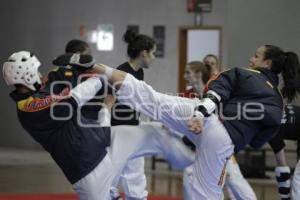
pixel 36 104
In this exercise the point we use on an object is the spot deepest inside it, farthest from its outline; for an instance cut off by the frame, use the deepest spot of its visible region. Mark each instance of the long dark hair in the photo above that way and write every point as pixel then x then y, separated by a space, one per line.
pixel 286 63
pixel 137 43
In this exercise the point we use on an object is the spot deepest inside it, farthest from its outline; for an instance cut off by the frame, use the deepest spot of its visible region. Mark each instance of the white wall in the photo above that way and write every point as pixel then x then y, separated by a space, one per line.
pixel 257 22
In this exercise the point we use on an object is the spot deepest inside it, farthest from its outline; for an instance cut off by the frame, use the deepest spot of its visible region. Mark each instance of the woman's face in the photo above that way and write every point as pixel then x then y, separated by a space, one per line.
pixel 213 63
pixel 191 77
pixel 148 56
pixel 258 60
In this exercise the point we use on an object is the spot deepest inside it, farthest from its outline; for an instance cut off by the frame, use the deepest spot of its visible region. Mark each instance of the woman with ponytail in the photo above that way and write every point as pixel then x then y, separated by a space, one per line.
pixel 286 64
pixel 140 51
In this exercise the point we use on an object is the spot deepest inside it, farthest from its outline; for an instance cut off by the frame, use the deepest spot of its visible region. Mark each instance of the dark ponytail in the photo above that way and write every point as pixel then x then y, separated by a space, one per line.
pixel 288 65
pixel 129 36
pixel 290 74
pixel 137 43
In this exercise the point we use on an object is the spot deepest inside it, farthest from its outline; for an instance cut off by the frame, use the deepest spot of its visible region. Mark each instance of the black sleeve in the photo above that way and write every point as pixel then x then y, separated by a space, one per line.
pixel 277 142
pixel 225 83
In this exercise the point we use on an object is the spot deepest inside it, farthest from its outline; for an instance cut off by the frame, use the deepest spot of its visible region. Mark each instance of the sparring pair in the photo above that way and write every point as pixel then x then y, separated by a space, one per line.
pixel 251 108
pixel 89 152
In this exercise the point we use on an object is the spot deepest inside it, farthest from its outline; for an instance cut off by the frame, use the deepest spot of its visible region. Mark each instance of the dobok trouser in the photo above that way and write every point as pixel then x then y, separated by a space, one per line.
pixel 213 146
